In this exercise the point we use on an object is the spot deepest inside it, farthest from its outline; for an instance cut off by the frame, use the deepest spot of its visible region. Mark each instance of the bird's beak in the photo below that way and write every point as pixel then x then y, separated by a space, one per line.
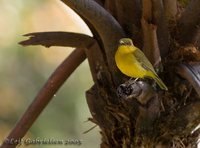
pixel 121 42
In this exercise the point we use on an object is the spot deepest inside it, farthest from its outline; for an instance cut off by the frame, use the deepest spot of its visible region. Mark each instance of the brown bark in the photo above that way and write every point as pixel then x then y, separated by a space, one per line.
pixel 190 19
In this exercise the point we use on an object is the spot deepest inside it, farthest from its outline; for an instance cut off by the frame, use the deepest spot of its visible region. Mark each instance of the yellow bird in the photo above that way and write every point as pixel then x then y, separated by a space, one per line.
pixel 132 62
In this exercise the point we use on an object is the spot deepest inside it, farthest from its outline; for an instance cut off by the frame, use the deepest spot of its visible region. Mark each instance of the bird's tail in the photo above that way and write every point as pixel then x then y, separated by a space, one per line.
pixel 160 83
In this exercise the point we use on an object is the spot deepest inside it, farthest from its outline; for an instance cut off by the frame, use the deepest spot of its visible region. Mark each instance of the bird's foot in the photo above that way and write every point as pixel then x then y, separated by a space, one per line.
pixel 132 80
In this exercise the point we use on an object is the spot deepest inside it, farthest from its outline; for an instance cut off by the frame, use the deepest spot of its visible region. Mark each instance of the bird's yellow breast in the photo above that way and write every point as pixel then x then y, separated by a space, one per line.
pixel 128 64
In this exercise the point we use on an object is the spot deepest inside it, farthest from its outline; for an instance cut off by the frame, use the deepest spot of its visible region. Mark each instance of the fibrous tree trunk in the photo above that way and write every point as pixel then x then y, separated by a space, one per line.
pixel 150 117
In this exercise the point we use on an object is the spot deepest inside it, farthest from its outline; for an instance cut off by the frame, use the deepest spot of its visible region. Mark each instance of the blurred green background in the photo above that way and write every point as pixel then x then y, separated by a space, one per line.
pixel 24 70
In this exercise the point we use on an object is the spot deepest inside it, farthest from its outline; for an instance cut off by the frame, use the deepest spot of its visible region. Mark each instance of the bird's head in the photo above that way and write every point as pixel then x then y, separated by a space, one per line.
pixel 126 45
pixel 126 42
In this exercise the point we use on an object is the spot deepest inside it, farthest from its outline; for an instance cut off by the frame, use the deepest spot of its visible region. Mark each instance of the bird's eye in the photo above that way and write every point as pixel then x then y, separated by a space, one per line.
pixel 129 43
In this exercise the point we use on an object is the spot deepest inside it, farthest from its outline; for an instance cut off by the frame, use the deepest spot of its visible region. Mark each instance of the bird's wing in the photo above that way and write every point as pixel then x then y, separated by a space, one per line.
pixel 143 60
